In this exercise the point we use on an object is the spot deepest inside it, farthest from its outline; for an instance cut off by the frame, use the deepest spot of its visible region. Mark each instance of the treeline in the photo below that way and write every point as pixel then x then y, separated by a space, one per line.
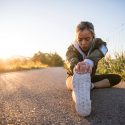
pixel 51 59
pixel 39 60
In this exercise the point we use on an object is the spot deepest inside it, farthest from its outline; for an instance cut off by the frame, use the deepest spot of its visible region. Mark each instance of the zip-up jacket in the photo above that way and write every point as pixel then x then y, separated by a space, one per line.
pixel 73 55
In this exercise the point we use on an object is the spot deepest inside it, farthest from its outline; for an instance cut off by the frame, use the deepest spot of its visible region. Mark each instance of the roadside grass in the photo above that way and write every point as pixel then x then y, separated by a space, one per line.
pixel 18 64
pixel 106 65
pixel 113 65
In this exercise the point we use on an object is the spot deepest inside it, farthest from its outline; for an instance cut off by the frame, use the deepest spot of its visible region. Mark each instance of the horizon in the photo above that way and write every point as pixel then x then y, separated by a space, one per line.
pixel 27 27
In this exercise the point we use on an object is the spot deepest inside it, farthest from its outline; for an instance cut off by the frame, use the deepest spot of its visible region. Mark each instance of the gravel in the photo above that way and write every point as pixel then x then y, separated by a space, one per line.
pixel 40 97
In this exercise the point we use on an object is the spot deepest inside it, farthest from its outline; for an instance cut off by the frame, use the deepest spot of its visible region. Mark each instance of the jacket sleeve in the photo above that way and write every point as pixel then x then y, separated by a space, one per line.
pixel 99 51
pixel 71 59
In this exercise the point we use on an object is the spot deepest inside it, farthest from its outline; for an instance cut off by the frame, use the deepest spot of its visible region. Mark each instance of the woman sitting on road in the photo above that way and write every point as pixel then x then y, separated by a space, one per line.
pixel 81 62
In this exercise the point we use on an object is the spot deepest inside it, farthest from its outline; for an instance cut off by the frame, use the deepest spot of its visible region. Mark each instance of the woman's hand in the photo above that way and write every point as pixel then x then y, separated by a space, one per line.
pixel 82 68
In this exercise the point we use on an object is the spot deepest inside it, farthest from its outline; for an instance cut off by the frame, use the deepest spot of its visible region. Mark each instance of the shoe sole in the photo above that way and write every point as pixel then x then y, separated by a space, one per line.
pixel 81 88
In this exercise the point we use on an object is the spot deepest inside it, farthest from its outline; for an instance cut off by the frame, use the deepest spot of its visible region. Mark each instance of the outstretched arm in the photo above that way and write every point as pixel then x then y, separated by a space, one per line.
pixel 98 53
pixel 71 59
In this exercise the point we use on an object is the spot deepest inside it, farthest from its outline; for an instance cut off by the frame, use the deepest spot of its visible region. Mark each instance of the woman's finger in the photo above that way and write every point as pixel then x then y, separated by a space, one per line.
pixel 86 68
pixel 82 68
pixel 77 68
pixel 90 69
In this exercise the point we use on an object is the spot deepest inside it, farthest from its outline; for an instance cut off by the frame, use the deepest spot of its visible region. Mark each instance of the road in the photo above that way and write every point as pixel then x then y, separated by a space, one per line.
pixel 40 97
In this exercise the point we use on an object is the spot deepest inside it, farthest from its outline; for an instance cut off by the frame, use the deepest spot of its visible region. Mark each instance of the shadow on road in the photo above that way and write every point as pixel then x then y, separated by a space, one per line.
pixel 46 107
pixel 108 107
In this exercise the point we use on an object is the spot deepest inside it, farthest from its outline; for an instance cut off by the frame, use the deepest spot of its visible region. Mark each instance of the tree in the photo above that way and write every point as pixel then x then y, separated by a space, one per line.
pixel 51 59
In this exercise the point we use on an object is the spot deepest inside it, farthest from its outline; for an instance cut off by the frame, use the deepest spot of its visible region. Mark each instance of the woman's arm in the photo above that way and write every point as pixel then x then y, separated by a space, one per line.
pixel 99 52
pixel 71 59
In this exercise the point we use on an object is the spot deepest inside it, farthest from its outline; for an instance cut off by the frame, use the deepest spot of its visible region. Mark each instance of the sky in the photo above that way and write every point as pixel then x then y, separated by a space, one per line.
pixel 29 26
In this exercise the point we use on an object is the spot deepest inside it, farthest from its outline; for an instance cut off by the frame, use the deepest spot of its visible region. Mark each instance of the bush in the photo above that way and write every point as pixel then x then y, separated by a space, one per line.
pixel 39 60
pixel 19 64
pixel 116 65
pixel 51 59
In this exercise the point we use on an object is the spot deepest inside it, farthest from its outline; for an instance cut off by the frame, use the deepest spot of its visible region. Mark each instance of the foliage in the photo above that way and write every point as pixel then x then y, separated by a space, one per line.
pixel 115 65
pixel 19 64
pixel 39 60
pixel 51 59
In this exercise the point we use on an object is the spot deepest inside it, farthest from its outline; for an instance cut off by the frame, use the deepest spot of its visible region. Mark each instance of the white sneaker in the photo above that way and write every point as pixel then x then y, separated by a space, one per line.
pixel 81 93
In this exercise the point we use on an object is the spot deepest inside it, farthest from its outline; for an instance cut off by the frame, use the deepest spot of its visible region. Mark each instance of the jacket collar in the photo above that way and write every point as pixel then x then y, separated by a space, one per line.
pixel 77 46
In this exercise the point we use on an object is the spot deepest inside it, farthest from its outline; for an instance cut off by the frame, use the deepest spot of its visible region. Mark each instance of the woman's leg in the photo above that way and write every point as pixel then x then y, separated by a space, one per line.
pixel 69 83
pixel 105 80
pixel 102 84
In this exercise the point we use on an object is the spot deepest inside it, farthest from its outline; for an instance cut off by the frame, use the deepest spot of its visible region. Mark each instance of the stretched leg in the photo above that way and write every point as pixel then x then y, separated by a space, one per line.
pixel 102 84
pixel 105 80
pixel 69 83
pixel 100 81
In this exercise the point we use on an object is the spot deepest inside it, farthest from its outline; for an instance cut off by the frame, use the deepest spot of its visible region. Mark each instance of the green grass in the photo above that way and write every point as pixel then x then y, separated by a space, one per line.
pixel 116 65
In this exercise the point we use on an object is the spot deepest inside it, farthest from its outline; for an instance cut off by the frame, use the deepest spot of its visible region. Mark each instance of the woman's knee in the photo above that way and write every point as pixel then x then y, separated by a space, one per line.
pixel 115 79
pixel 69 83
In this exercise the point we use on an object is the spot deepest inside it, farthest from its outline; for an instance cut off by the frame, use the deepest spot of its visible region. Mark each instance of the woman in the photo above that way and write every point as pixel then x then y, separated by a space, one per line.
pixel 81 63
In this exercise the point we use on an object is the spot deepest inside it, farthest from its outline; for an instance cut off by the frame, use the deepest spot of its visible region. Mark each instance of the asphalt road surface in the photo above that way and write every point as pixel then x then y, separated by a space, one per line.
pixel 40 97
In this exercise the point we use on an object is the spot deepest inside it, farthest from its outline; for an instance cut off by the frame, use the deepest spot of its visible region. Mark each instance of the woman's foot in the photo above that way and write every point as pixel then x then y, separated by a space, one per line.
pixel 81 93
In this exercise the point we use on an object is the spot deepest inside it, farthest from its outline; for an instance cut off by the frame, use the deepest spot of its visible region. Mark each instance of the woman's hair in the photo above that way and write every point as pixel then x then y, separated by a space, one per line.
pixel 85 25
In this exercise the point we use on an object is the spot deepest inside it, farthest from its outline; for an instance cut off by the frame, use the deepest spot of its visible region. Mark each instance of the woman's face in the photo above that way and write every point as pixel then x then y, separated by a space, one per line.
pixel 84 38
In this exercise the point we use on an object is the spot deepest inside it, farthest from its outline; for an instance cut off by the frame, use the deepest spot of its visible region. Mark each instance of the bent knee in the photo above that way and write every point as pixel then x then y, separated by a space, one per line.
pixel 115 79
pixel 69 83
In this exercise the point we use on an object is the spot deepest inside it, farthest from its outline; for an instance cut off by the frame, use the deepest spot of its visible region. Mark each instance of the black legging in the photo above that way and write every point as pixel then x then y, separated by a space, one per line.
pixel 114 79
